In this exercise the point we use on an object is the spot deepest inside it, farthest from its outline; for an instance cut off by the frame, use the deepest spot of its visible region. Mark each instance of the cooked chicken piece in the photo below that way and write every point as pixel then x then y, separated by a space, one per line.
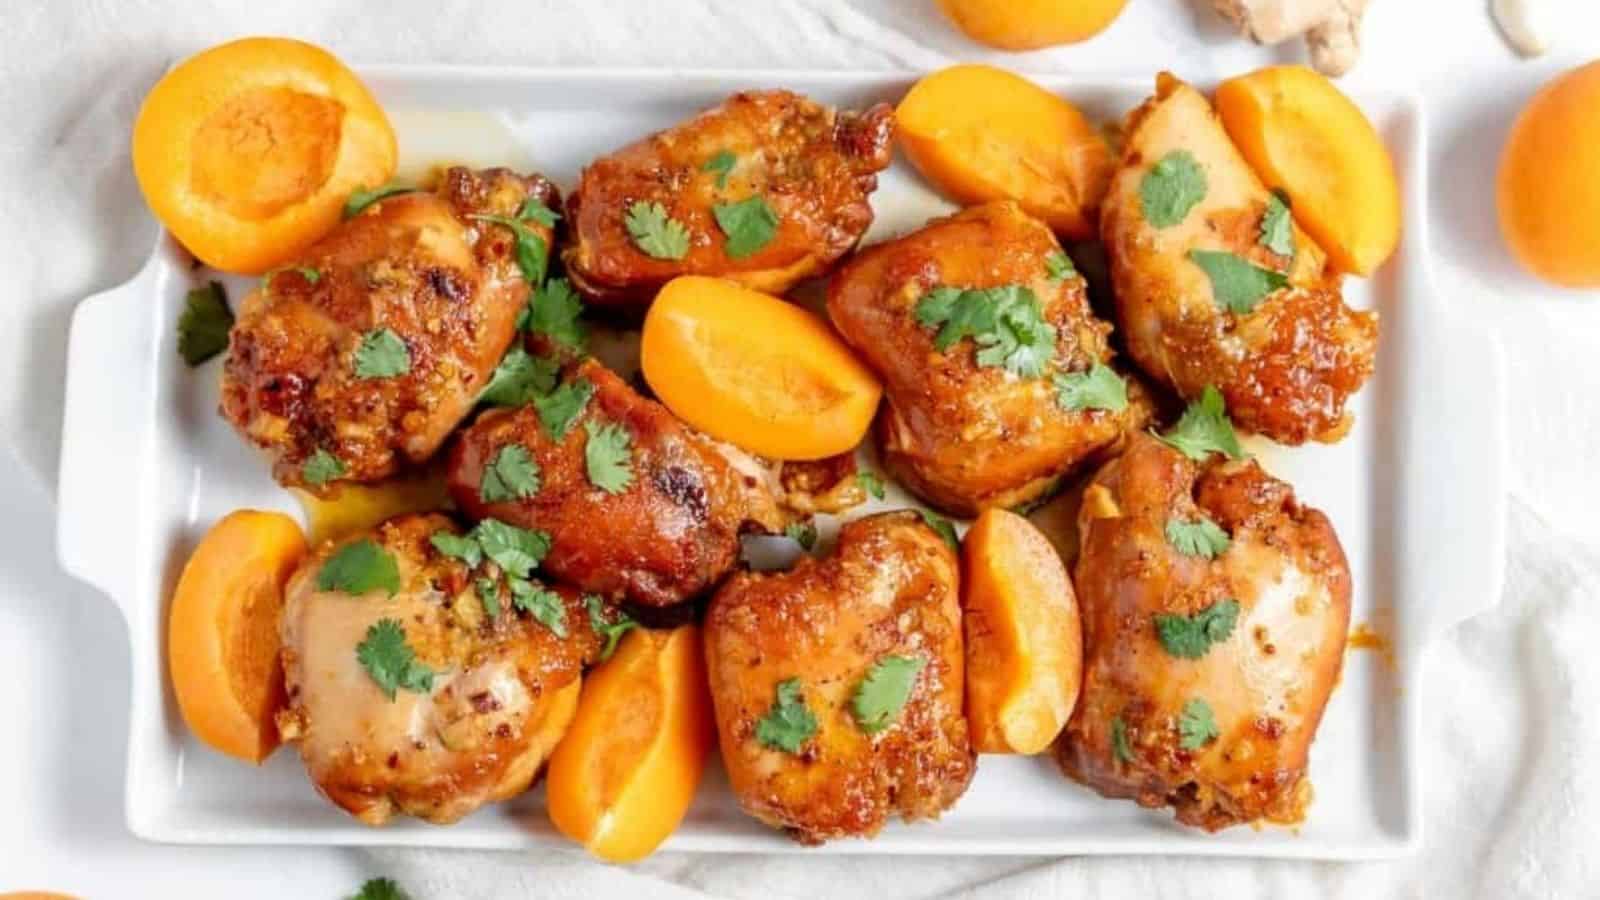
pixel 366 354
pixel 1203 679
pixel 503 688
pixel 968 426
pixel 829 485
pixel 813 167
pixel 812 635
pixel 1285 366
pixel 666 530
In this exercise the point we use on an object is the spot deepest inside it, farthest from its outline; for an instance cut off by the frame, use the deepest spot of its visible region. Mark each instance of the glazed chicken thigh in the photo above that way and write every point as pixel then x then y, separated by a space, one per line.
pixel 1204 677
pixel 1215 285
pixel 765 189
pixel 368 352
pixel 661 529
pixel 500 691
pixel 985 418
pixel 813 635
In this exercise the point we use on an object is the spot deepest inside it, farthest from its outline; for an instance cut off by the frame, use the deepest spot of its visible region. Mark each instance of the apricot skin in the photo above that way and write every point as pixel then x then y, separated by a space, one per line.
pixel 1031 24
pixel 1548 193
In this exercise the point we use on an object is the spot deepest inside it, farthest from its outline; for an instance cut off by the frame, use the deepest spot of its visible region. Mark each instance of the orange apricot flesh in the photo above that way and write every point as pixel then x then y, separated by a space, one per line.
pixel 1024 637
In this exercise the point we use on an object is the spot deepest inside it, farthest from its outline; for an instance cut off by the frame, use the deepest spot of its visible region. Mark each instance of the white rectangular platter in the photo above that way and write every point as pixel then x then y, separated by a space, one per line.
pixel 1416 493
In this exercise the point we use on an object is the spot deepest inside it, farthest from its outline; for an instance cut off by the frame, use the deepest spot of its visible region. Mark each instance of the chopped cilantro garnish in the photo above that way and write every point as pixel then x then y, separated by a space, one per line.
pixel 204 324
pixel 883 693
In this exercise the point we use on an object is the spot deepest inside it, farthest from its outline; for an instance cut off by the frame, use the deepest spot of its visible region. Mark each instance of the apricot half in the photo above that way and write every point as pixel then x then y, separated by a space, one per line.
pixel 624 775
pixel 222 631
pixel 247 152
pixel 979 133
pixel 755 371
pixel 1024 637
pixel 1302 134
pixel 1031 24
pixel 1549 195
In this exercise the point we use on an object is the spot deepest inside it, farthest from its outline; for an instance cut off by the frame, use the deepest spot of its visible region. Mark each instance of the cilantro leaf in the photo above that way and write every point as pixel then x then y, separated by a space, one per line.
pixel 380 889
pixel 749 224
pixel 1006 322
pixel 359 567
pixel 1237 285
pixel 542 603
pixel 457 546
pixel 510 475
pixel 721 164
pixel 942 525
pixel 1204 429
pixel 1197 726
pixel 1098 388
pixel 562 406
pixel 788 724
pixel 534 210
pixel 1171 189
pixel 1203 538
pixel 1277 225
pixel 608 456
pixel 654 233
pixel 519 379
pixel 1121 750
pixel 516 550
pixel 321 468
pixel 391 662
pixel 1191 637
pixel 611 632
pixel 871 483
pixel 958 313
pixel 883 693
pixel 204 324
pixel 361 197
pixel 488 595
pixel 532 253
pixel 554 310
pixel 382 354
pixel 1058 266
pixel 802 533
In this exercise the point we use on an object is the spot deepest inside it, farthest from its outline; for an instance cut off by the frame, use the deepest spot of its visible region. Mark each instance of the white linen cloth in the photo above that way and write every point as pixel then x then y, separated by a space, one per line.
pixel 1513 696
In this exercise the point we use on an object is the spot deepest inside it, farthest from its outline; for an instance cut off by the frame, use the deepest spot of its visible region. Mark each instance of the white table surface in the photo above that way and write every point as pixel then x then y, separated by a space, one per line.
pixel 71 78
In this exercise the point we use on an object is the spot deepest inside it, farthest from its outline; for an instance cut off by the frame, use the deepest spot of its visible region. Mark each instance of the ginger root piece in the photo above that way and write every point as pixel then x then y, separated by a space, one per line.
pixel 1332 28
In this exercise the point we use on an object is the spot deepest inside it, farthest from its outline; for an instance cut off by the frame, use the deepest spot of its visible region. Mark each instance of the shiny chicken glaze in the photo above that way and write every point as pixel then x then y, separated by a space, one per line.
pixel 504 688
pixel 959 435
pixel 1266 683
pixel 669 536
pixel 816 168
pixel 1287 367
pixel 889 588
pixel 416 264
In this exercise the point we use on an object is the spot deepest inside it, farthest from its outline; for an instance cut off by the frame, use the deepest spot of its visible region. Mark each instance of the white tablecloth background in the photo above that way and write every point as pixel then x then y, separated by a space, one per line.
pixel 1513 696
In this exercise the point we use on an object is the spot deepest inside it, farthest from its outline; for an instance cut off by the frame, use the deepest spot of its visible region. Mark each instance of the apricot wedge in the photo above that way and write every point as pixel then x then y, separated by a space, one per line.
pixel 755 371
pixel 979 133
pixel 1024 638
pixel 624 775
pixel 1303 135
pixel 222 631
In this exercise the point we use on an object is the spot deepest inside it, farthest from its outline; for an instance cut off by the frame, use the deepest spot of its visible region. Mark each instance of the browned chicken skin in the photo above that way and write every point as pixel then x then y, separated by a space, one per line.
pixel 890 588
pixel 814 166
pixel 1287 367
pixel 669 536
pixel 961 435
pixel 446 285
pixel 1138 729
pixel 504 688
